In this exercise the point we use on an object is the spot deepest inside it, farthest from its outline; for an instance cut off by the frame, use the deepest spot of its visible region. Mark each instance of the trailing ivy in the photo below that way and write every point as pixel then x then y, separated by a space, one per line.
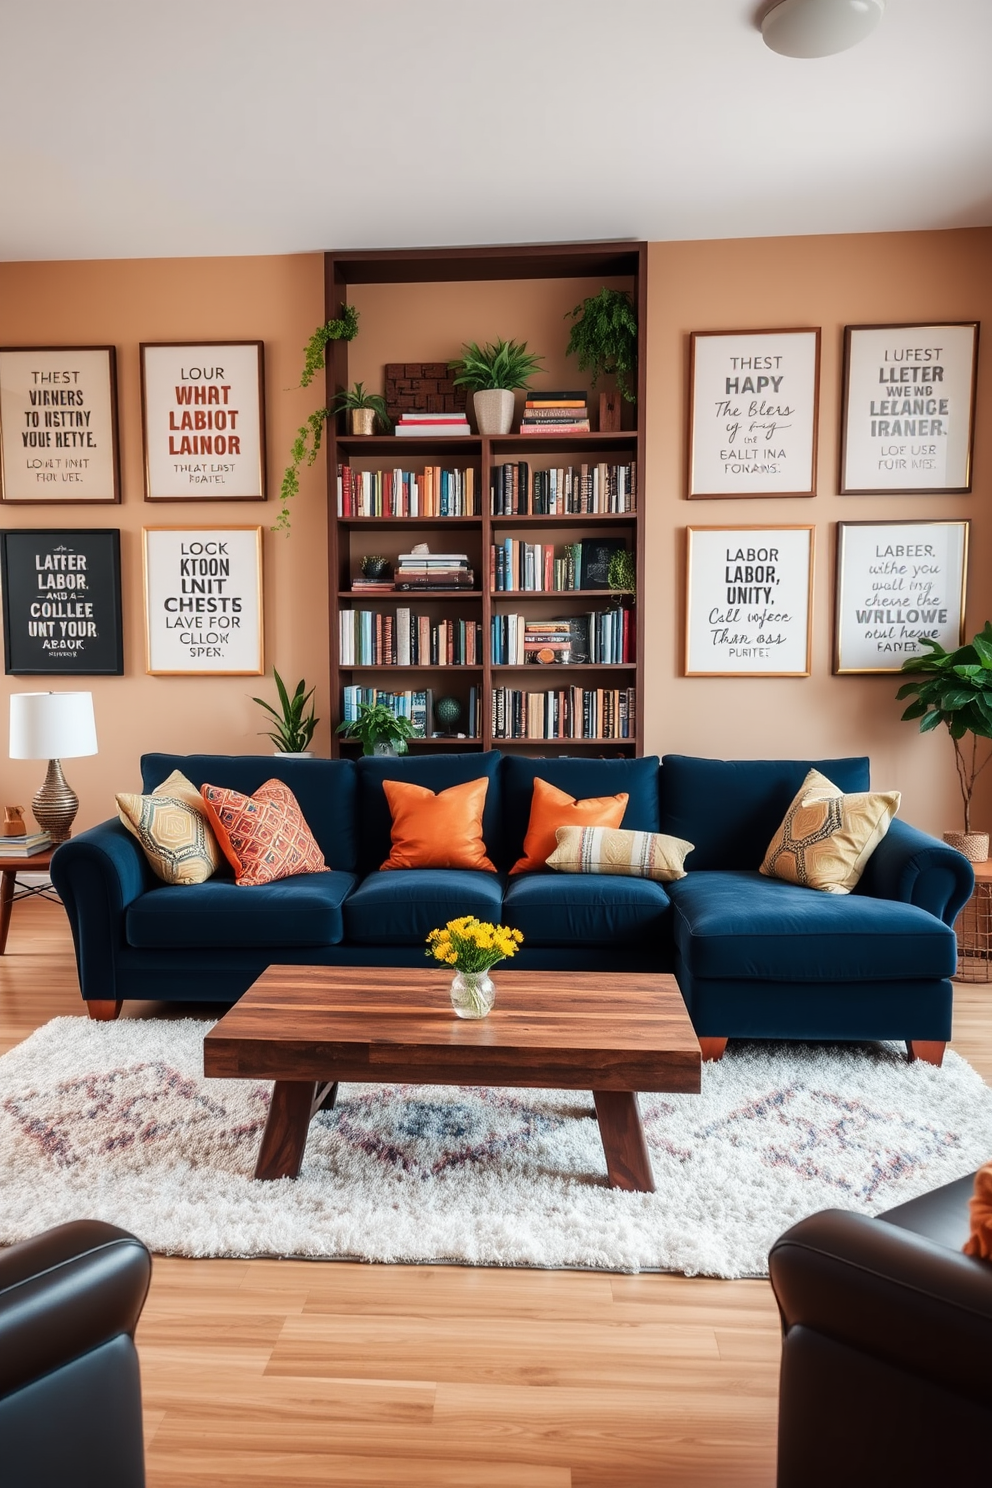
pixel 345 328
pixel 306 445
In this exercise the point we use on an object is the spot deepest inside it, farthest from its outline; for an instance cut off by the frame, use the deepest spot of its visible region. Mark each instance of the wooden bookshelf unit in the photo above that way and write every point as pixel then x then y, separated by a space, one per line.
pixel 589 691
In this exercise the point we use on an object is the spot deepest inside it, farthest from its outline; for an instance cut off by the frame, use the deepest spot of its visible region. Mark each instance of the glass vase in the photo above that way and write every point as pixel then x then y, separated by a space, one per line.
pixel 472 994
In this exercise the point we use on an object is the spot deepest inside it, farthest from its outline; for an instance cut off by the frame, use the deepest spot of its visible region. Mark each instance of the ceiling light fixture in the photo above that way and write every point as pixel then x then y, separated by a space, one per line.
pixel 819 28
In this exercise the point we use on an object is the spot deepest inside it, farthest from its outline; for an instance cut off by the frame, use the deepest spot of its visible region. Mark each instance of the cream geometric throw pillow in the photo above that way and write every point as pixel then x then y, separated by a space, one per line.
pixel 173 830
pixel 827 838
pixel 613 850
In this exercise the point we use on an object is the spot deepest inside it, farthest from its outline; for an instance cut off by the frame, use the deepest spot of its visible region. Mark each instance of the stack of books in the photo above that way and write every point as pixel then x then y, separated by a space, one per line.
pixel 555 413
pixel 598 489
pixel 564 713
pixel 431 492
pixel 26 845
pixel 422 425
pixel 434 571
pixel 374 638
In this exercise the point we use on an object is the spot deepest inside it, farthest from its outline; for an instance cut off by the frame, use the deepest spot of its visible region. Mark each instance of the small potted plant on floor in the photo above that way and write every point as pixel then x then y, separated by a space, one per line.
pixel 493 372
pixel 294 727
pixel 380 730
pixel 604 338
pixel 955 689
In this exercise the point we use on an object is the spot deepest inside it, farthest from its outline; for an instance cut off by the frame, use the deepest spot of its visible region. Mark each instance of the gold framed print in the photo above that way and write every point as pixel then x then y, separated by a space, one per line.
pixel 748 601
pixel 203 420
pixel 58 425
pixel 203 601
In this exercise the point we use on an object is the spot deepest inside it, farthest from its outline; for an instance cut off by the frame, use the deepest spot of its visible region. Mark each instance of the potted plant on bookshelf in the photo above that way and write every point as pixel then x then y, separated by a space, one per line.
pixel 380 730
pixel 955 689
pixel 493 373
pixel 294 727
pixel 364 408
pixel 604 338
pixel 306 445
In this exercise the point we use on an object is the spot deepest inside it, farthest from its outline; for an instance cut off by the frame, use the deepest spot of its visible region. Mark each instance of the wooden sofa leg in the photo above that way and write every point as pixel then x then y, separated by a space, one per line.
pixel 929 1050
pixel 712 1049
pixel 104 1012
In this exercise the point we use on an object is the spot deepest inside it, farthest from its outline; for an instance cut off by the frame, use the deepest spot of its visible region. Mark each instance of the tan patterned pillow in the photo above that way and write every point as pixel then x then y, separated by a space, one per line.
pixel 171 825
pixel 614 850
pixel 827 838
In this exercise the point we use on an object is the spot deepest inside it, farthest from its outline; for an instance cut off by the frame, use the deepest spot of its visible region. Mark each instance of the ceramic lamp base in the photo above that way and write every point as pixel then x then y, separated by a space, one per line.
pixel 55 805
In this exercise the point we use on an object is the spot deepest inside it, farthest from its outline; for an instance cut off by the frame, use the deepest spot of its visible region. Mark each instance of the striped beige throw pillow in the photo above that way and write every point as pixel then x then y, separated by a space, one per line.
pixel 613 850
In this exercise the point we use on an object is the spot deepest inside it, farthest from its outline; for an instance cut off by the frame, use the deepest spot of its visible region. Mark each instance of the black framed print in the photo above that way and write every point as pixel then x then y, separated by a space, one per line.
pixel 203 420
pixel 62 602
pixel 58 425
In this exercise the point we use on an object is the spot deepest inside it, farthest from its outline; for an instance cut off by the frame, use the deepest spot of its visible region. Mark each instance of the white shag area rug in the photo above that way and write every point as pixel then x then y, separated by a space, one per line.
pixel 117 1122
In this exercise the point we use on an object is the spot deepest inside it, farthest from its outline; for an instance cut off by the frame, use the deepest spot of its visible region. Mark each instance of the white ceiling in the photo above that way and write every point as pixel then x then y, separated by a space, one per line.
pixel 136 128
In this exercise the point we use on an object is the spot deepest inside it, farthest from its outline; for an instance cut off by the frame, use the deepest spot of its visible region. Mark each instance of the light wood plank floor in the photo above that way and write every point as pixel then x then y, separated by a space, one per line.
pixel 305 1373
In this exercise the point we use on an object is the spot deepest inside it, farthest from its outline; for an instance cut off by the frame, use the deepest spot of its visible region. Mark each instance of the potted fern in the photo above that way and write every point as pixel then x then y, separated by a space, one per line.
pixel 294 727
pixel 380 730
pixel 604 339
pixel 493 372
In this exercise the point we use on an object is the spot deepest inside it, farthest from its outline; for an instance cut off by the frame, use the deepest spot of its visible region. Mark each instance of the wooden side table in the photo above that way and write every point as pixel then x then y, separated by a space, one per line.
pixel 9 869
pixel 974 930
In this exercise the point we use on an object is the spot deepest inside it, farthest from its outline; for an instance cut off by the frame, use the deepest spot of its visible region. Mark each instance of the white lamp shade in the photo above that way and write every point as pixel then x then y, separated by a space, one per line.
pixel 819 28
pixel 52 725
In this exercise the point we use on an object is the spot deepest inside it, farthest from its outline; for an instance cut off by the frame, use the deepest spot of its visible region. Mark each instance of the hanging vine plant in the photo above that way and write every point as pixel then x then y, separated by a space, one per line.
pixel 604 338
pixel 306 445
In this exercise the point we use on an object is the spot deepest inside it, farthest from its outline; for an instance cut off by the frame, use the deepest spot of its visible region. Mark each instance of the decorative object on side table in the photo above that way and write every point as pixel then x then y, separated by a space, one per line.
pixel 956 690
pixel 604 338
pixel 380 730
pixel 472 947
pixel 294 727
pixel 494 372
pixel 53 726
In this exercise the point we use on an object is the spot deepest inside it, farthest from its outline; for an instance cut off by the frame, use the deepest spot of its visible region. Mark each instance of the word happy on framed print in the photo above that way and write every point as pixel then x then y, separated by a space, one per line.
pixel 58 424
pixel 909 407
pixel 897 581
pixel 62 602
pixel 748 610
pixel 203 601
pixel 203 419
pixel 753 413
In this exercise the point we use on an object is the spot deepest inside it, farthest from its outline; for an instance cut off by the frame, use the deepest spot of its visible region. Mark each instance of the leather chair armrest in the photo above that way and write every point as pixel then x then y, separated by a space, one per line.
pixel 891 1294
pixel 64 1293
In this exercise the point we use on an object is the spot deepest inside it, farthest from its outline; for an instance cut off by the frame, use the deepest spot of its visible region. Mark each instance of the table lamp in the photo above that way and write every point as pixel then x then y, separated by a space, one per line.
pixel 53 726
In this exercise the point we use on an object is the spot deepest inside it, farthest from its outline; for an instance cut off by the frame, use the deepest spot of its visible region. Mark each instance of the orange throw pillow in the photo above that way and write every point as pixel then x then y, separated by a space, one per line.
pixel 979 1242
pixel 551 808
pixel 437 831
pixel 264 836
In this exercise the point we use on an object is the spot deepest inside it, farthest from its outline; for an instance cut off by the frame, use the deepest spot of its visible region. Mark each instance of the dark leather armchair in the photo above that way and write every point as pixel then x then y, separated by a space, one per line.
pixel 70 1395
pixel 887 1348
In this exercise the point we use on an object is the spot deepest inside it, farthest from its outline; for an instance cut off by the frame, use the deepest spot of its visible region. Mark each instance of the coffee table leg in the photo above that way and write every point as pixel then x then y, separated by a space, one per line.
pixel 627 1161
pixel 285 1135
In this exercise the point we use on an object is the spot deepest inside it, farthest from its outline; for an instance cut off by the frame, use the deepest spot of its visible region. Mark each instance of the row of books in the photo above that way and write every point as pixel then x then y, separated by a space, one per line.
pixel 416 704
pixel 375 638
pixel 544 567
pixel 555 413
pixel 427 425
pixel 431 492
pixel 433 571
pixel 570 490
pixel 24 845
pixel 564 713
pixel 599 638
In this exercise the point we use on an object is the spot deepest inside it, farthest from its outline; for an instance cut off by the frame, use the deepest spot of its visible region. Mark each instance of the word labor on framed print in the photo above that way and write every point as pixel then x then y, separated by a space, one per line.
pixel 58 424
pixel 62 602
pixel 748 601
pixel 203 421
pixel 203 601
pixel 897 581
pixel 909 408
pixel 753 413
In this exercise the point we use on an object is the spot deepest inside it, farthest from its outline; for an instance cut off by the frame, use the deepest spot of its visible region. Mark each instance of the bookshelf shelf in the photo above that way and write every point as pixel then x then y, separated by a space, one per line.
pixel 441 667
pixel 427 272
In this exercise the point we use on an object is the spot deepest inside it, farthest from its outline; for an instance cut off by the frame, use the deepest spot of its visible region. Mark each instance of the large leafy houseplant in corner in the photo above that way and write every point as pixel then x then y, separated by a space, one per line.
pixel 954 688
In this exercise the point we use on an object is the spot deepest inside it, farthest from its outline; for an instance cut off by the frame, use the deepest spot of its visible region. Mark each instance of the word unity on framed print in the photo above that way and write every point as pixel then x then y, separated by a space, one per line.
pixel 203 419
pixel 203 601
pixel 58 424
pixel 62 602
pixel 748 601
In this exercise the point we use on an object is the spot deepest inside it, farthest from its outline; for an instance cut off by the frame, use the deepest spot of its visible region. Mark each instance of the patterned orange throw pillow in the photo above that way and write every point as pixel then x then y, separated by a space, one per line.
pixel 551 808
pixel 264 836
pixel 979 1242
pixel 437 831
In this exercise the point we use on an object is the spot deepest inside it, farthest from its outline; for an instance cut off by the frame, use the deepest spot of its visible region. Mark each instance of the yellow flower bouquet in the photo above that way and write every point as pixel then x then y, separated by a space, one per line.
pixel 472 947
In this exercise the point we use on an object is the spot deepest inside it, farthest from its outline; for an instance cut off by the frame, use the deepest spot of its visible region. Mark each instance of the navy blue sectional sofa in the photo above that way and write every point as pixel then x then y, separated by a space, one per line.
pixel 753 956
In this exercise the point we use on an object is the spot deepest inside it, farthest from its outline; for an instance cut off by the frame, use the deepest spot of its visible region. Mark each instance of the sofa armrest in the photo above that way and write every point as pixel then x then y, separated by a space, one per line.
pixel 890 1294
pixel 97 875
pixel 911 866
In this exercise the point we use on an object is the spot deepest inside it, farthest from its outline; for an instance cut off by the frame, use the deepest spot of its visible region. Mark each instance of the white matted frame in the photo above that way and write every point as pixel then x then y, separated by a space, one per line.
pixel 908 421
pixel 203 420
pixel 203 601
pixel 748 601
pixel 753 400
pixel 58 425
pixel 896 581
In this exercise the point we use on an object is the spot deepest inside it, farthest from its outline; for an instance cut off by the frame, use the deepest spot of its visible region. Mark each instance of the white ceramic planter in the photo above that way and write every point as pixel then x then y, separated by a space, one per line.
pixel 493 410
pixel 974 845
pixel 291 754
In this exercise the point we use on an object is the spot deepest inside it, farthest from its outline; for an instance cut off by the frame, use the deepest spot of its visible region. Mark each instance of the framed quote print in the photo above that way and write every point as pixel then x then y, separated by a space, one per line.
pixel 748 601
pixel 897 581
pixel 203 601
pixel 909 408
pixel 753 413
pixel 203 421
pixel 58 425
pixel 62 602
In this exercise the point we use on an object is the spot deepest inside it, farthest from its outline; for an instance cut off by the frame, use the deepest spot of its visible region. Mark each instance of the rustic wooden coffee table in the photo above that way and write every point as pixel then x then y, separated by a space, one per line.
pixel 308 1027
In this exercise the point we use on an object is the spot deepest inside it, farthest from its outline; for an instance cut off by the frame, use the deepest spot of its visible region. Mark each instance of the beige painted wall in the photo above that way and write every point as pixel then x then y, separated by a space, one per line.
pixel 725 285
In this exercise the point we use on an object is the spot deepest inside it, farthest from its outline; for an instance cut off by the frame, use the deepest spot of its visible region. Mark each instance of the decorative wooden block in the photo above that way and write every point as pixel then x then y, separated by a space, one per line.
pixel 422 387
pixel 609 413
